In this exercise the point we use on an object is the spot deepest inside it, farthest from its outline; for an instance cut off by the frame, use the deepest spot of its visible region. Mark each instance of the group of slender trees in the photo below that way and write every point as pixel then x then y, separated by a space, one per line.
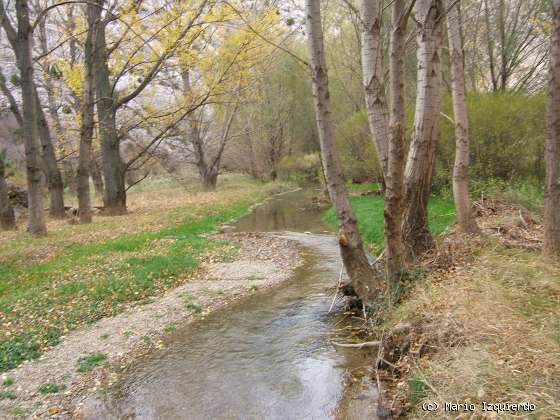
pixel 408 183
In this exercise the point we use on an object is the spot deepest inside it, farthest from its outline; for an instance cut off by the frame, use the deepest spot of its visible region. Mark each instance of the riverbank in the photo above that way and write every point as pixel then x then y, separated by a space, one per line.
pixel 482 327
pixel 86 360
pixel 81 274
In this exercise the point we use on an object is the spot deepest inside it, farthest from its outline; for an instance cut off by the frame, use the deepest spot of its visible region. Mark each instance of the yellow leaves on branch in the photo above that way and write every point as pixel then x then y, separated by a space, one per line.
pixel 73 75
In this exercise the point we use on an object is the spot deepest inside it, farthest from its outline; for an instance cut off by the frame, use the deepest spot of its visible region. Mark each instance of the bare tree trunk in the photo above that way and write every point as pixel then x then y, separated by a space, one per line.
pixel 96 175
pixel 36 222
pixel 372 70
pixel 364 279
pixel 47 157
pixel 7 217
pixel 461 167
pixel 420 164
pixel 194 136
pixel 54 177
pixel 86 130
pixel 394 184
pixel 551 246
pixel 113 168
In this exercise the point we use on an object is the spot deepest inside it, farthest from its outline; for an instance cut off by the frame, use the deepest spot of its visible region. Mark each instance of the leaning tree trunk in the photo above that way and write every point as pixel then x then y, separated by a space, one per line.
pixel 394 183
pixel 36 222
pixel 113 167
pixel 421 159
pixel 376 103
pixel 364 279
pixel 551 246
pixel 7 217
pixel 461 168
pixel 86 130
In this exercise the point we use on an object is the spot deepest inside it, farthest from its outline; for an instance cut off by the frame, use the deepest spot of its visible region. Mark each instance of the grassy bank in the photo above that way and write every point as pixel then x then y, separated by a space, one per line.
pixel 490 331
pixel 369 211
pixel 79 274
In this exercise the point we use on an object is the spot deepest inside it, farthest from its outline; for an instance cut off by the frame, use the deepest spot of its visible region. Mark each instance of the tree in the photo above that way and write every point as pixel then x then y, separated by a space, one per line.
pixel 461 120
pixel 93 17
pixel 7 217
pixel 421 158
pixel 36 224
pixel 551 246
pixel 388 130
pixel 394 179
pixel 372 54
pixel 174 24
pixel 364 279
pixel 47 157
pixel 515 44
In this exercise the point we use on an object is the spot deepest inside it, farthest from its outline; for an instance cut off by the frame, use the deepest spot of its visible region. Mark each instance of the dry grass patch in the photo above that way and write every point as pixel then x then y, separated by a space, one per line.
pixel 490 331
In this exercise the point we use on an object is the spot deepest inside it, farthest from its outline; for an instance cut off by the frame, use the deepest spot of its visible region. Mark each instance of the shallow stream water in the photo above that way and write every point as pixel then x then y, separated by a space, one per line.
pixel 266 356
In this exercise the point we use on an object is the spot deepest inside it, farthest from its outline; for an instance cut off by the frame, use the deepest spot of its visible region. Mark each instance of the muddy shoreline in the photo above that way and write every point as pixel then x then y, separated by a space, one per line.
pixel 263 261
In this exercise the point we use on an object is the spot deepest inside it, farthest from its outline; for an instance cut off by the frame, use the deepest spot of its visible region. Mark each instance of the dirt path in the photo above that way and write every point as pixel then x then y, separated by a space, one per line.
pixel 263 261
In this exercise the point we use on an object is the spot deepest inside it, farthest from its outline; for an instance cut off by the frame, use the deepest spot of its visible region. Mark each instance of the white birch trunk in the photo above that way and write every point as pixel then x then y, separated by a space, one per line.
pixel 461 167
pixel 421 158
pixel 372 73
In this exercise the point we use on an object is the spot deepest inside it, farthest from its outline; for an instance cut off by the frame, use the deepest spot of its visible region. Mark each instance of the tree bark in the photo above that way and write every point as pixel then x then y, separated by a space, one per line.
pixel 36 223
pixel 54 176
pixel 364 279
pixel 420 164
pixel 96 175
pixel 86 131
pixel 114 198
pixel 372 71
pixel 394 183
pixel 551 246
pixel 461 167
pixel 7 217
pixel 47 157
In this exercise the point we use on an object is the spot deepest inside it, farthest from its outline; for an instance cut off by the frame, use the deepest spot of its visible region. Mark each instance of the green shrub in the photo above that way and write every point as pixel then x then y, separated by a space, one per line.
pixel 507 132
pixel 302 169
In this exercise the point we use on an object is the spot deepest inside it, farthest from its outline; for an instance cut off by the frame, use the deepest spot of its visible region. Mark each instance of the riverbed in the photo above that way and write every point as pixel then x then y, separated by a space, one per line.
pixel 267 356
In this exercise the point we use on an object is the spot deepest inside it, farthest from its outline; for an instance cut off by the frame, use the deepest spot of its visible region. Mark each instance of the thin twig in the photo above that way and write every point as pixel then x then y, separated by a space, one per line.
pixel 337 289
pixel 357 345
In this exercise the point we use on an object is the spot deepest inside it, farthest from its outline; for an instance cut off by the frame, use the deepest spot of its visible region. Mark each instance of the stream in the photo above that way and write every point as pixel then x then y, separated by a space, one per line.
pixel 266 356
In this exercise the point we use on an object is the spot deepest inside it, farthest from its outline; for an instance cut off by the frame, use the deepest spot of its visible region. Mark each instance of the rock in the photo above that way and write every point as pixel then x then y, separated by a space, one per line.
pixel 17 196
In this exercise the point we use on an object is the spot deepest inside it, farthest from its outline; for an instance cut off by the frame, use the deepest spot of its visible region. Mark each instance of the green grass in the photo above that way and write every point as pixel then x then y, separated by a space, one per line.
pixel 90 361
pixel 369 211
pixel 8 395
pixel 49 388
pixel 8 381
pixel 88 281
pixel 366 186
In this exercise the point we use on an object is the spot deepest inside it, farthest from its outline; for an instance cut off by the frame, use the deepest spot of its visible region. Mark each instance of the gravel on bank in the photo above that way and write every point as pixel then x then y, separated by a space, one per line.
pixel 51 386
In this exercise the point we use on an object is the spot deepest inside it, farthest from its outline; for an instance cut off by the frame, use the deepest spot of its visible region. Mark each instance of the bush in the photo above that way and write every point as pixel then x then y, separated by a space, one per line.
pixel 357 151
pixel 507 137
pixel 302 169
